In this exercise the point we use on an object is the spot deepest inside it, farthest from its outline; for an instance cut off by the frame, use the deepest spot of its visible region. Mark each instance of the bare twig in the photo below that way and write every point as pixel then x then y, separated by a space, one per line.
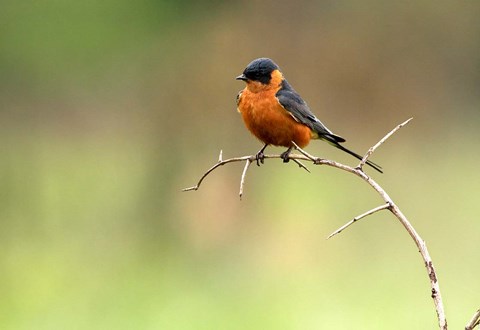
pixel 474 321
pixel 218 164
pixel 244 174
pixel 251 158
pixel 363 215
pixel 389 204
pixel 379 143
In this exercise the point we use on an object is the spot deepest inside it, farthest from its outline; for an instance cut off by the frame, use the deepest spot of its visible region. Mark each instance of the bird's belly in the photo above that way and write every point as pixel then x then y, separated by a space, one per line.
pixel 272 124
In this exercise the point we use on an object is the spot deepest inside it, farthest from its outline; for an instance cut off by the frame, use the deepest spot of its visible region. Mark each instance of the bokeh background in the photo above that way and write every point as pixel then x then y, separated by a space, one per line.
pixel 109 108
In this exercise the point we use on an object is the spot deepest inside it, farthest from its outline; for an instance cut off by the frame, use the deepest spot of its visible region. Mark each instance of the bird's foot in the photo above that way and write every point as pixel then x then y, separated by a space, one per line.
pixel 286 155
pixel 260 156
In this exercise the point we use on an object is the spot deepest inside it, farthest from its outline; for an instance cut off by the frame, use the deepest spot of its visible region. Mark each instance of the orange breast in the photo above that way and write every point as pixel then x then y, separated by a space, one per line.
pixel 269 121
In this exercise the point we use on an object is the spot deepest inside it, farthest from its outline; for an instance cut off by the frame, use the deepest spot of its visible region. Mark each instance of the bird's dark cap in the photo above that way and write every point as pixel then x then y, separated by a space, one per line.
pixel 259 70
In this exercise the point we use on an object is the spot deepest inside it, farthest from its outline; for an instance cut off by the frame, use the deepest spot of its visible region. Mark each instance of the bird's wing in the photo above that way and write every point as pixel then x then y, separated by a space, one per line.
pixel 299 110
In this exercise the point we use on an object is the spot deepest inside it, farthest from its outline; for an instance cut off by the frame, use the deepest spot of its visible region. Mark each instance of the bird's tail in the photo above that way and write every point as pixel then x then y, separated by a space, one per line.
pixel 335 140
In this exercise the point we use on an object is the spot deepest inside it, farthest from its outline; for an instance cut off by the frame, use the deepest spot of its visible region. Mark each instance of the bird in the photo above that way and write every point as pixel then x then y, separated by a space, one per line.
pixel 277 115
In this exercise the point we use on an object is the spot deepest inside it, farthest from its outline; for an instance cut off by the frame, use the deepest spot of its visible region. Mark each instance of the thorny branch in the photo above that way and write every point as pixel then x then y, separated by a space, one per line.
pixel 388 204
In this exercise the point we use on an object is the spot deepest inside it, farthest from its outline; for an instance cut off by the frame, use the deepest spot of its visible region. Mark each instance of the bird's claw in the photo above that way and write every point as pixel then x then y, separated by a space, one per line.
pixel 259 157
pixel 286 155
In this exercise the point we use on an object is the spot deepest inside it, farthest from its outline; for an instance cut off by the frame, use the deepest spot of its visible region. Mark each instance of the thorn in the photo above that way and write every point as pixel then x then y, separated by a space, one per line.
pixel 301 165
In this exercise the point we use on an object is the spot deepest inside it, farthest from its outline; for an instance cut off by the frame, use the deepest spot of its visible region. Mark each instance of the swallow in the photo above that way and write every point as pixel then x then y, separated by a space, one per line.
pixel 277 115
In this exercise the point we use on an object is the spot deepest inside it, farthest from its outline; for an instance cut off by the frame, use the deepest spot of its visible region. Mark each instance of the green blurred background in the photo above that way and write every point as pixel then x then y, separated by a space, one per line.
pixel 109 108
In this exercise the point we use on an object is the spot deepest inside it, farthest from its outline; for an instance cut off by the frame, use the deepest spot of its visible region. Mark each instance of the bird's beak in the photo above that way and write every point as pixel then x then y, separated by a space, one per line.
pixel 242 77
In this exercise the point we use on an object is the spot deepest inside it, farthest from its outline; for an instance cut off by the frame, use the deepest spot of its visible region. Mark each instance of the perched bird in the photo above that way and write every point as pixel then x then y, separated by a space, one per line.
pixel 276 114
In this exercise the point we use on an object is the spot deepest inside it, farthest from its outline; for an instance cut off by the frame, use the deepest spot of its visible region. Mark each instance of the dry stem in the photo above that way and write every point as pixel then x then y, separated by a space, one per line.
pixel 389 204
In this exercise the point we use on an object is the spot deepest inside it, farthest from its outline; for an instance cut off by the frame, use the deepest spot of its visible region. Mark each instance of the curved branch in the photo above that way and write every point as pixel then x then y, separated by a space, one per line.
pixel 220 162
pixel 389 204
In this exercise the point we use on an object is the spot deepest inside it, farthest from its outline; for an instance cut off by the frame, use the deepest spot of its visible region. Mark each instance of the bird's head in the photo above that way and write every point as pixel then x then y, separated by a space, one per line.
pixel 262 70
